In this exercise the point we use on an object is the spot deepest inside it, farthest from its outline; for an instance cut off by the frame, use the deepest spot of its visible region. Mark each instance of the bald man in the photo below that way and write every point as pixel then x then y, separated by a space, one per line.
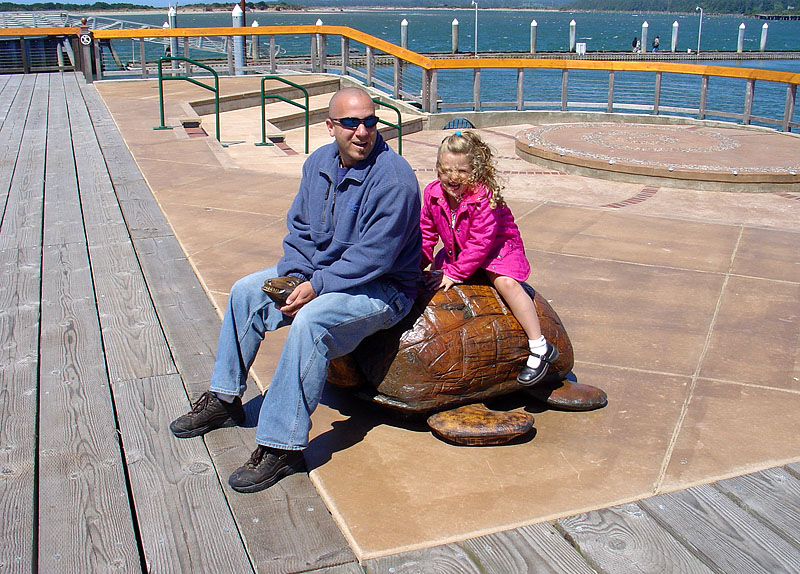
pixel 354 246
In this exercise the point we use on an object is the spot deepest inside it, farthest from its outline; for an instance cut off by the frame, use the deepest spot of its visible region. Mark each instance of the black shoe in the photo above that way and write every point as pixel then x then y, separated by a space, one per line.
pixel 266 467
pixel 530 376
pixel 207 414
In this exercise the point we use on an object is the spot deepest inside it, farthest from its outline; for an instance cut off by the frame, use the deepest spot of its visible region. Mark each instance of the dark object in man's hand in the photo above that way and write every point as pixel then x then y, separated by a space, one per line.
pixel 280 288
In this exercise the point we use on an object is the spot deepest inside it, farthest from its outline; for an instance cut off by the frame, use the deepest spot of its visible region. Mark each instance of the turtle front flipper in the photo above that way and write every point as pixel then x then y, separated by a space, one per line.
pixel 478 425
pixel 279 288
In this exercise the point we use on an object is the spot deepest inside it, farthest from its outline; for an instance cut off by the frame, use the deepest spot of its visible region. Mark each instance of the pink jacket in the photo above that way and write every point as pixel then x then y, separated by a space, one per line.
pixel 474 237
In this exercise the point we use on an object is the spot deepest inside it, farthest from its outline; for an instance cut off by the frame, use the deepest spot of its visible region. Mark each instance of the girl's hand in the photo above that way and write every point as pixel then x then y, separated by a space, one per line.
pixel 437 280
pixel 448 282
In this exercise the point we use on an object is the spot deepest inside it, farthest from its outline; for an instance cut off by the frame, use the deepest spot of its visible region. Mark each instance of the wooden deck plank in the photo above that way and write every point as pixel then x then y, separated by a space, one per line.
pixel 535 548
pixel 22 217
pixel 11 134
pixel 187 316
pixel 281 534
pixel 63 221
pixel 626 539
pixel 772 495
pixel 450 558
pixel 287 528
pixel 135 346
pixel 725 537
pixel 9 85
pixel 84 520
pixel 102 216
pixel 19 350
pixel 184 520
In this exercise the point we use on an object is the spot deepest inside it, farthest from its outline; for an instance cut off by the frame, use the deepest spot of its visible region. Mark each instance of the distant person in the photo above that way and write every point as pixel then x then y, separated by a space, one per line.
pixel 656 44
pixel 635 44
pixel 638 46
pixel 353 248
pixel 464 208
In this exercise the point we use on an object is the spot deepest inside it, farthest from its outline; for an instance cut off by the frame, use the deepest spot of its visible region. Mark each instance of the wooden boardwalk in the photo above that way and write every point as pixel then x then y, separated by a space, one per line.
pixel 106 331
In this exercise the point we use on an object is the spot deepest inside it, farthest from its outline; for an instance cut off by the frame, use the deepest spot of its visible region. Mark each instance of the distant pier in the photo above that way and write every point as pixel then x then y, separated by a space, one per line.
pixel 778 16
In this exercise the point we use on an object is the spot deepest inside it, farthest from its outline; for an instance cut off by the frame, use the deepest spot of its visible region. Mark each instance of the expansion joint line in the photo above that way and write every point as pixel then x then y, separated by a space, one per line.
pixel 690 394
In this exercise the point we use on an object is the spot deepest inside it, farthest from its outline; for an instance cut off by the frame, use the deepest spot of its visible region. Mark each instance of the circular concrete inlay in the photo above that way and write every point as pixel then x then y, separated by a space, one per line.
pixel 686 155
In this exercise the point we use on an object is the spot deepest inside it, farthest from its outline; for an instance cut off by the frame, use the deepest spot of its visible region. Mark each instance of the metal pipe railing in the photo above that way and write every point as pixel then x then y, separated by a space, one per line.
pixel 265 96
pixel 161 80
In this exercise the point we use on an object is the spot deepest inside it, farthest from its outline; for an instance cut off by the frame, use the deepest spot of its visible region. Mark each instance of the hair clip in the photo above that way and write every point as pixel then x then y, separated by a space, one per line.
pixel 458 133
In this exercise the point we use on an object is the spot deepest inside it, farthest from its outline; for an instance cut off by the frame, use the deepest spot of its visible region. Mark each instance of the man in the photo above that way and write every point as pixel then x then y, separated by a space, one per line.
pixel 355 244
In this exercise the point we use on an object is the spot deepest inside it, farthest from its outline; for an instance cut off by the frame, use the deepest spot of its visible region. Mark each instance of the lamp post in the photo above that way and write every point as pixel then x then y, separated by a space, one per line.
pixel 474 3
pixel 700 28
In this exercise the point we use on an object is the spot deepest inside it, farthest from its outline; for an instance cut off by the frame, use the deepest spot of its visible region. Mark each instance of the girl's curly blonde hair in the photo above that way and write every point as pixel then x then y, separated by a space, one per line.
pixel 481 160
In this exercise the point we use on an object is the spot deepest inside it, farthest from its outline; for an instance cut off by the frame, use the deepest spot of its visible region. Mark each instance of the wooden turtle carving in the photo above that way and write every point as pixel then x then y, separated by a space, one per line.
pixel 455 349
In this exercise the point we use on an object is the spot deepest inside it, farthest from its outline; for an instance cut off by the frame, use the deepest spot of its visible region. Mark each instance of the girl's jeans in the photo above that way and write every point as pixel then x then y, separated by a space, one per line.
pixel 327 327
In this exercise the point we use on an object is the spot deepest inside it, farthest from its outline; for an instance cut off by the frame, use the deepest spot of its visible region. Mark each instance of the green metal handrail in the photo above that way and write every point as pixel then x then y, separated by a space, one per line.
pixel 398 126
pixel 161 79
pixel 264 96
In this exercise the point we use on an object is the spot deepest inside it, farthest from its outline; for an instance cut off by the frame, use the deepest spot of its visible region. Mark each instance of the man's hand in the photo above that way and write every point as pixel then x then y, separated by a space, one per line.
pixel 301 295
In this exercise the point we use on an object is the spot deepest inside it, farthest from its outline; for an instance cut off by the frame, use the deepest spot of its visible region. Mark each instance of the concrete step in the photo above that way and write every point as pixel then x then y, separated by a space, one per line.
pixel 252 98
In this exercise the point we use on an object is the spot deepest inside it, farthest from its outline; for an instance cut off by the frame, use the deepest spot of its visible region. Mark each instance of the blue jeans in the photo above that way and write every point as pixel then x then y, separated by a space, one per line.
pixel 327 327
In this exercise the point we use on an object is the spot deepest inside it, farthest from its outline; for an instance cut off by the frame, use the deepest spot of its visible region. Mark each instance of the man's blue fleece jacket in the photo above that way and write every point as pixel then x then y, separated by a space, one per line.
pixel 364 229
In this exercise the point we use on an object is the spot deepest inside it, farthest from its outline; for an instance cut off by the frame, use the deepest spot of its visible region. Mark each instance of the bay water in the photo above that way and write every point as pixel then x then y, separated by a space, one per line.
pixel 498 30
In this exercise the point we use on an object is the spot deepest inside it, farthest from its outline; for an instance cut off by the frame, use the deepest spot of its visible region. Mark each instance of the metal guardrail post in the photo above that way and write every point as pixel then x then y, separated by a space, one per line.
pixel 434 93
pixel 748 101
pixel 397 74
pixel 98 57
pixel 703 98
pixel 272 65
pixel 564 76
pixel 161 80
pixel 23 52
pixel 229 53
pixel 476 89
pixel 426 90
pixel 657 95
pixel 345 54
pixel 188 70
pixel 520 89
pixel 788 109
pixel 398 126
pixel 85 39
pixel 143 57
pixel 323 53
pixel 610 106
pixel 370 65
pixel 265 95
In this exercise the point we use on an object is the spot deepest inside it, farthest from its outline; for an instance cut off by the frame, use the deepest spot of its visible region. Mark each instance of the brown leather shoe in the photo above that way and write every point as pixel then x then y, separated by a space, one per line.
pixel 207 414
pixel 266 467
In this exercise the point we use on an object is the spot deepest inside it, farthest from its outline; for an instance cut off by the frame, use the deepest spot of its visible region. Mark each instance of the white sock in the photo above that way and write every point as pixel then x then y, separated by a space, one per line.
pixel 538 346
pixel 226 398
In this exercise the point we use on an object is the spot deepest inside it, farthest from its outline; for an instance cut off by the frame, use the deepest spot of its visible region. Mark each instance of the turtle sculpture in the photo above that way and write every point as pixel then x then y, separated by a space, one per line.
pixel 454 350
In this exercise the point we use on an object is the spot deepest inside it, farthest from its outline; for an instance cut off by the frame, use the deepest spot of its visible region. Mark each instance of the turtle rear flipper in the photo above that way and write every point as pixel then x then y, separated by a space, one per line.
pixel 568 395
pixel 478 425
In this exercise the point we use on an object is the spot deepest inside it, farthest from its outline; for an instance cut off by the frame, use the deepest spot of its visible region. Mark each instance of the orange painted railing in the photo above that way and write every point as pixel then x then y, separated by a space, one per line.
pixel 430 68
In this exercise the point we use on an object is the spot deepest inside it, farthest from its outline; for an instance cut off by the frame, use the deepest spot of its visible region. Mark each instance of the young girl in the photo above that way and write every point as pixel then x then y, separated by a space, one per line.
pixel 465 209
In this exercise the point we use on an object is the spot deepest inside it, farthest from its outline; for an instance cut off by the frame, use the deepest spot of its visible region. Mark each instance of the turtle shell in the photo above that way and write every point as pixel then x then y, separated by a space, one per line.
pixel 455 347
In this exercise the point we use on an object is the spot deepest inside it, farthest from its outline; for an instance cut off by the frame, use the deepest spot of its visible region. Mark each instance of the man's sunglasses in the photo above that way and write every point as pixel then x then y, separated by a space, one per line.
pixel 353 123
